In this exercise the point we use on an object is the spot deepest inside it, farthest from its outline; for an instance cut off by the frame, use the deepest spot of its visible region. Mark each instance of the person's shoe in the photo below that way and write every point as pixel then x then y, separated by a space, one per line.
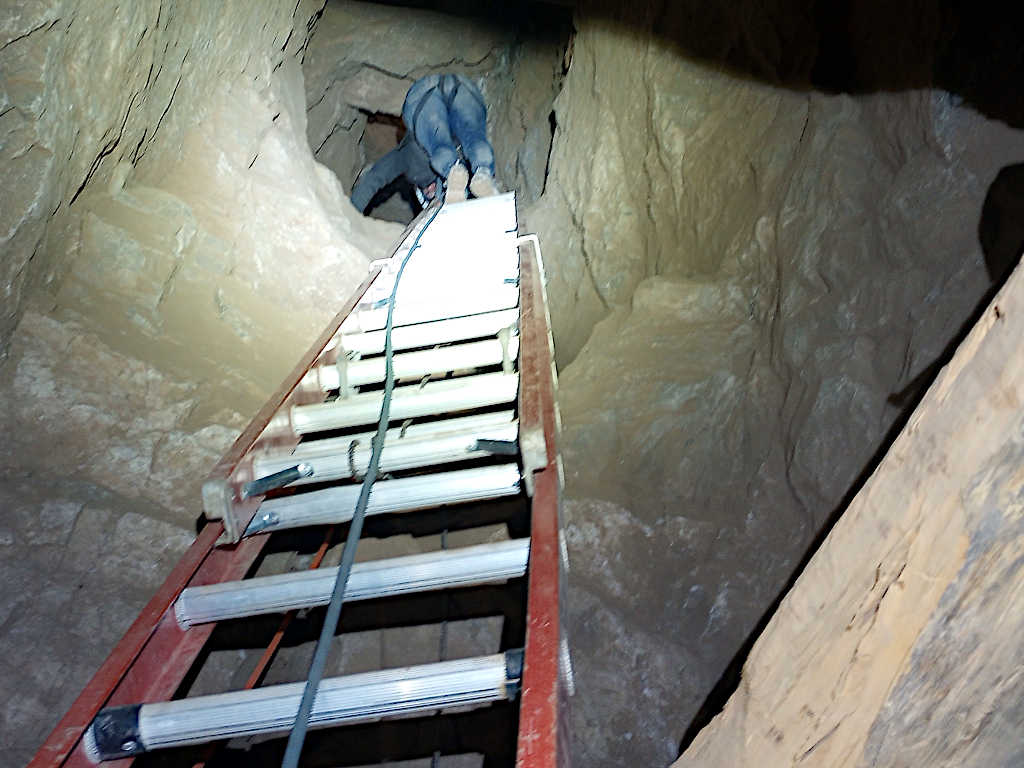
pixel 483 184
pixel 455 185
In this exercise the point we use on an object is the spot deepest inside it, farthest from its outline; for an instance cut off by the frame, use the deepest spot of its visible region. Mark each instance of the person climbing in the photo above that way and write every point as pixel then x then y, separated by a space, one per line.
pixel 446 129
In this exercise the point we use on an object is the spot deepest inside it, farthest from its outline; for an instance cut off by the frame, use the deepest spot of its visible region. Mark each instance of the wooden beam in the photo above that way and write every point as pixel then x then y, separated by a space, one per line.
pixel 902 642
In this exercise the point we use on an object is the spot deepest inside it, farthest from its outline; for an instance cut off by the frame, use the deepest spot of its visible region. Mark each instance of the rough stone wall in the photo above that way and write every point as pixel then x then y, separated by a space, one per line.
pixel 769 268
pixel 170 249
pixel 89 85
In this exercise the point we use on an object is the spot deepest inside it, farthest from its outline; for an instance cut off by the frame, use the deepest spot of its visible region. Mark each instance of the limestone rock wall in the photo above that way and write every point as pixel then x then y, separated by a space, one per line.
pixel 746 278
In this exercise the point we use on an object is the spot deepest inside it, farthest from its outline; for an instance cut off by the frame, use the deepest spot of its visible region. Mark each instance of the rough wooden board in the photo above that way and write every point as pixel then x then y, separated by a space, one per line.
pixel 903 641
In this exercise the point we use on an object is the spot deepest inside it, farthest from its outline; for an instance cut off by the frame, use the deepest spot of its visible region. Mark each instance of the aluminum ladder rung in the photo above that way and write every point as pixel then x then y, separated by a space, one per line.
pixel 435 307
pixel 336 505
pixel 350 457
pixel 436 397
pixel 414 365
pixel 412 430
pixel 125 731
pixel 445 569
pixel 431 274
pixel 445 331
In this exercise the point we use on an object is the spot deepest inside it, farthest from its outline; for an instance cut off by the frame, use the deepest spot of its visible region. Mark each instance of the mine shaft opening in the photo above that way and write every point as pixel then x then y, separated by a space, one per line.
pixel 516 53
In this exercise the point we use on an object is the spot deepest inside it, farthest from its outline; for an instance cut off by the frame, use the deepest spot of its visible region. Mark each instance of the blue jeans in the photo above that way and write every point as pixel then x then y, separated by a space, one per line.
pixel 444 113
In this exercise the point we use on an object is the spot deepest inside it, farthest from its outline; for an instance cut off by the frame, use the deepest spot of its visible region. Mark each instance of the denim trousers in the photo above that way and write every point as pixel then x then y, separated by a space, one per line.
pixel 446 113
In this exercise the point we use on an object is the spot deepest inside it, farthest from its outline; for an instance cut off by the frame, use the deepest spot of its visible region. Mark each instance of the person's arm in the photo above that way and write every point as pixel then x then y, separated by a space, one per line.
pixel 379 175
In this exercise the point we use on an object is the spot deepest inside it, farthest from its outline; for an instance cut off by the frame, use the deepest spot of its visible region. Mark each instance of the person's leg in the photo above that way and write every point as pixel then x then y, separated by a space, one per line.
pixel 426 118
pixel 468 119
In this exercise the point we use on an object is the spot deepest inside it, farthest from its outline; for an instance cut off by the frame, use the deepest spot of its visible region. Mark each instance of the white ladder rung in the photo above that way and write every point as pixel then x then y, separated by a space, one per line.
pixel 349 699
pixel 337 504
pixel 415 365
pixel 450 269
pixel 481 299
pixel 409 452
pixel 451 395
pixel 484 214
pixel 313 449
pixel 445 569
pixel 429 334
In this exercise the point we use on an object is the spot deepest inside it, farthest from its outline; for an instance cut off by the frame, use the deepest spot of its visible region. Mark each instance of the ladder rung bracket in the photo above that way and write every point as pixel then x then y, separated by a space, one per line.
pixel 449 396
pixel 416 365
pixel 351 457
pixel 412 430
pixel 336 505
pixel 445 569
pixel 127 731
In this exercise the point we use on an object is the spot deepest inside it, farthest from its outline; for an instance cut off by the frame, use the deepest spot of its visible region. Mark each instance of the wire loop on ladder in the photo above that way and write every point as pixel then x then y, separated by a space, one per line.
pixel 352 461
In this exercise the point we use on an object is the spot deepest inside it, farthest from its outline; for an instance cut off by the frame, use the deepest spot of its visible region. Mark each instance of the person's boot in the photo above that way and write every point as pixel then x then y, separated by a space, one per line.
pixel 483 184
pixel 455 185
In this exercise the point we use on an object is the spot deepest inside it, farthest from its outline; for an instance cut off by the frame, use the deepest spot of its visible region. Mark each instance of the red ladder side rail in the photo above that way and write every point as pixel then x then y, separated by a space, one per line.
pixel 541 742
pixel 155 655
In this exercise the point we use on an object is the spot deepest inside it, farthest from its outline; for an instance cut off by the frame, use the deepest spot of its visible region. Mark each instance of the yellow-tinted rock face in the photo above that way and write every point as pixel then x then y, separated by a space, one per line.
pixel 187 227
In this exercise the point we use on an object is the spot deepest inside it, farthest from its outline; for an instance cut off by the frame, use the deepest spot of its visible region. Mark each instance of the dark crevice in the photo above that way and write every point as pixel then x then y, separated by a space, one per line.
pixel 553 126
pixel 138 147
pixel 23 36
pixel 174 92
pixel 109 147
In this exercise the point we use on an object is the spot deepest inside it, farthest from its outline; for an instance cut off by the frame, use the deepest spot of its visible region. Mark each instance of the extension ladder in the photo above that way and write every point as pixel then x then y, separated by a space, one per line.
pixel 473 422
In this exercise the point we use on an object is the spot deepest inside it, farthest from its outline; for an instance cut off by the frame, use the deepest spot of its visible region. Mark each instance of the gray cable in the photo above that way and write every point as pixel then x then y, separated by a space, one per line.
pixel 316 668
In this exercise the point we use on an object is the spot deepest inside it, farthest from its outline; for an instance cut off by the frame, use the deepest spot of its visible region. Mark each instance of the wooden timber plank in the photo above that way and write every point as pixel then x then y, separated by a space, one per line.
pixel 901 644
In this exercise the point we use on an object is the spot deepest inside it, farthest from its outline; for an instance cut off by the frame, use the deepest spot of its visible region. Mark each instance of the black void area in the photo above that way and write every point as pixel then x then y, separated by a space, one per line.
pixel 971 50
pixel 1001 228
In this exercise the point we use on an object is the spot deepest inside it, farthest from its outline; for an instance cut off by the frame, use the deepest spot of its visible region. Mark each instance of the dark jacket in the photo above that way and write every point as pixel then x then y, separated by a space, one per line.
pixel 408 159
